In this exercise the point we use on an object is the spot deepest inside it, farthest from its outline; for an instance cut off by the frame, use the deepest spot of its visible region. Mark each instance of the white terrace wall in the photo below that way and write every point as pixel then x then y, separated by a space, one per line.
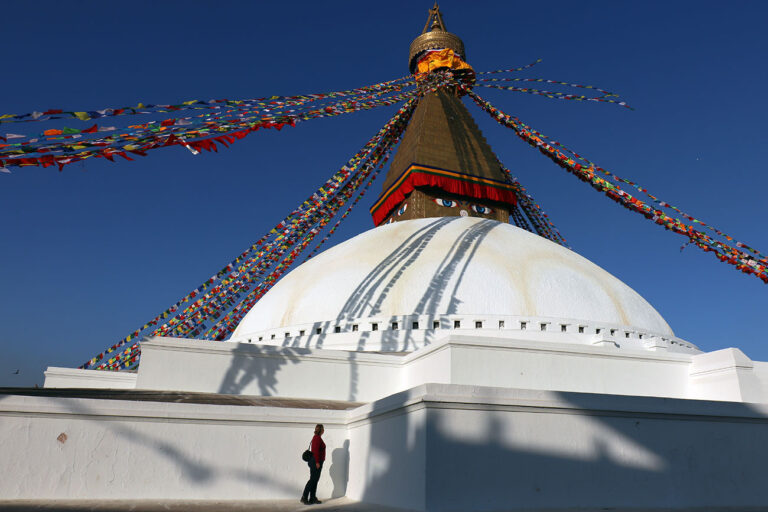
pixel 245 369
pixel 436 447
pixel 75 378
pixel 59 448
pixel 252 369
pixel 489 449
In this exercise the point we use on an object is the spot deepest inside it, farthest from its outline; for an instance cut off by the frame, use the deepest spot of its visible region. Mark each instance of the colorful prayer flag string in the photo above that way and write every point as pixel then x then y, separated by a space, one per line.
pixel 148 108
pixel 255 271
pixel 65 146
pixel 556 95
pixel 722 250
pixel 527 66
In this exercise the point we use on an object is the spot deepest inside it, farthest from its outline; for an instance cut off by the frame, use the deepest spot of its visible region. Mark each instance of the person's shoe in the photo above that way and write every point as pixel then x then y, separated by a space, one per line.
pixel 304 500
pixel 315 501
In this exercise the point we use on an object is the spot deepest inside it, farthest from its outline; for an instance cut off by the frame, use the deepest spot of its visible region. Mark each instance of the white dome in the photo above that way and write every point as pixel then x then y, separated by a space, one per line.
pixel 449 266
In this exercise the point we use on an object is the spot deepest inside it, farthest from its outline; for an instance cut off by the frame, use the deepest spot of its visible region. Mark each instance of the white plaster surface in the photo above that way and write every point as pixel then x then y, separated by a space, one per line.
pixel 534 361
pixel 435 447
pixel 56 377
pixel 448 266
pixel 104 449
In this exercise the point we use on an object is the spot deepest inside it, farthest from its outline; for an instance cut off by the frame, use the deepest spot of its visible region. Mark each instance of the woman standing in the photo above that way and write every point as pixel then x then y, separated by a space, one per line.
pixel 309 497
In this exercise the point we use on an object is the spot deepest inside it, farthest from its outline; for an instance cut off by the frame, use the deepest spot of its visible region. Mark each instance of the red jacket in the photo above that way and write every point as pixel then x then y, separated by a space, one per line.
pixel 318 448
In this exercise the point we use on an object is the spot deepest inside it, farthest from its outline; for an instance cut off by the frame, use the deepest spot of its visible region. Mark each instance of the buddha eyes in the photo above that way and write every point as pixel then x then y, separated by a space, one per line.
pixel 449 203
pixel 402 209
pixel 484 210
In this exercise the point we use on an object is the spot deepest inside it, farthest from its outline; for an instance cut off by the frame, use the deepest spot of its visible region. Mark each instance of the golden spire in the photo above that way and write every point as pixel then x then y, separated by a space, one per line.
pixel 437 20
pixel 437 37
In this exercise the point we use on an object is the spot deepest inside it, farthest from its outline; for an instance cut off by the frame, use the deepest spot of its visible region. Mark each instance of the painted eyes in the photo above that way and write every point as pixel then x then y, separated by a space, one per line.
pixel 483 210
pixel 448 203
pixel 451 203
pixel 402 209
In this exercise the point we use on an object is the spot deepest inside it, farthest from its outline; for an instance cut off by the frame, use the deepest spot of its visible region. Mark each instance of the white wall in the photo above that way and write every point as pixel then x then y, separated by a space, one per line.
pixel 457 358
pixel 245 369
pixel 436 447
pixel 726 374
pixel 519 363
pixel 761 373
pixel 74 378
pixel 388 444
pixel 491 449
pixel 103 449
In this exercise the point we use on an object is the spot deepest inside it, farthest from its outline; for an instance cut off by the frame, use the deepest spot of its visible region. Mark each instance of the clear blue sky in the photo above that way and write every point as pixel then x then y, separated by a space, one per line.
pixel 89 254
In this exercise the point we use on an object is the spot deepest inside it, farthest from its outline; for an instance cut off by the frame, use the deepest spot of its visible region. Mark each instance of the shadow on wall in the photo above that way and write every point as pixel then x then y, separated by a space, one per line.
pixel 192 468
pixel 339 470
pixel 259 363
pixel 506 459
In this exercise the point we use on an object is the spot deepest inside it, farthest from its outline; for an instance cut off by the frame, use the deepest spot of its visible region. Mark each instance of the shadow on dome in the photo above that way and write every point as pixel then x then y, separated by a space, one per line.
pixel 438 298
pixel 367 298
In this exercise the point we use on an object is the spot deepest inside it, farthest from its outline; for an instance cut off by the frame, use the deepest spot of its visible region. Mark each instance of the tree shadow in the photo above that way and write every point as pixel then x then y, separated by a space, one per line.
pixel 367 298
pixel 260 363
pixel 194 470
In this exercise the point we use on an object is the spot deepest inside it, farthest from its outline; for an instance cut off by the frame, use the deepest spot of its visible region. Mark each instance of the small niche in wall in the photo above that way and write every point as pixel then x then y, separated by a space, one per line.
pixel 626 335
pixel 272 337
pixel 501 324
pixel 374 327
pixel 523 326
pixel 394 326
pixel 319 330
pixel 354 327
pixel 337 328
pixel 287 335
pixel 415 325
pixel 581 329
pixel 478 324
pixel 613 332
pixel 563 328
pixel 543 326
pixel 261 338
pixel 301 332
pixel 597 331
pixel 457 324
pixel 436 324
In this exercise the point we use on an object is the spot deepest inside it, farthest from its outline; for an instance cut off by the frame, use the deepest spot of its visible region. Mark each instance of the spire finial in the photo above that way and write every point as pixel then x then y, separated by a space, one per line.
pixel 433 37
pixel 436 18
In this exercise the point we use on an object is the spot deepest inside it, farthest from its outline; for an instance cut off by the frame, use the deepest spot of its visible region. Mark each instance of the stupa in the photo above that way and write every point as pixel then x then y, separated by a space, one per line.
pixel 458 362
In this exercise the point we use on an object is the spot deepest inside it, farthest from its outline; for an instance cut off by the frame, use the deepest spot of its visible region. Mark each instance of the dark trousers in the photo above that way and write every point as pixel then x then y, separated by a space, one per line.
pixel 310 490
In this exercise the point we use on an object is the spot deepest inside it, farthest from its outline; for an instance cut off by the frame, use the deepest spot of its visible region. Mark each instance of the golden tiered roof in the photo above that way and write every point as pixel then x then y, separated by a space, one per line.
pixel 443 134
